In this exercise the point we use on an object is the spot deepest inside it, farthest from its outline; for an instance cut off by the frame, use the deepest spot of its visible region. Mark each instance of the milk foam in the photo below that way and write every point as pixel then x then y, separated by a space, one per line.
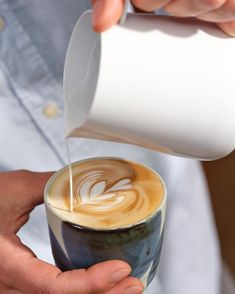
pixel 107 193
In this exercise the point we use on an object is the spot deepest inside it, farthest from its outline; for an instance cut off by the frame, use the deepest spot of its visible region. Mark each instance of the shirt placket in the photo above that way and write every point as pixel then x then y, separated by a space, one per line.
pixel 31 80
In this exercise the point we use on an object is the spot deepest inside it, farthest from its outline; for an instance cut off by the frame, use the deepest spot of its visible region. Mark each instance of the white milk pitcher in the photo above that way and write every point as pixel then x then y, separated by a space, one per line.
pixel 158 82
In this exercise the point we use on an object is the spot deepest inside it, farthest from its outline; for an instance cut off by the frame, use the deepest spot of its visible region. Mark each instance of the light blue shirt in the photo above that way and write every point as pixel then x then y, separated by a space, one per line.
pixel 33 39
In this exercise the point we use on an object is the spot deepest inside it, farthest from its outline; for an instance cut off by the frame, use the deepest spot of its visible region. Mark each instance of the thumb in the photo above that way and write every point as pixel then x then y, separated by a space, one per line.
pixel 99 278
pixel 24 272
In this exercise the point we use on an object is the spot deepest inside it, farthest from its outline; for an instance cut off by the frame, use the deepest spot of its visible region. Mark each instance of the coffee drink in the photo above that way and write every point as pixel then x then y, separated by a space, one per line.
pixel 118 212
pixel 107 193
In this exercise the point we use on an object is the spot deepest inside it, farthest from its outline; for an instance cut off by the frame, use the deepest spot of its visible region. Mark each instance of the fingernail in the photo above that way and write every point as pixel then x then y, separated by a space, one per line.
pixel 133 290
pixel 119 275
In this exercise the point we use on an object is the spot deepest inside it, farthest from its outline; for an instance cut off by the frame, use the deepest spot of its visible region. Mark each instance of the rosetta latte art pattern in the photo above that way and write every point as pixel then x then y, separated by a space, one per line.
pixel 92 191
pixel 107 193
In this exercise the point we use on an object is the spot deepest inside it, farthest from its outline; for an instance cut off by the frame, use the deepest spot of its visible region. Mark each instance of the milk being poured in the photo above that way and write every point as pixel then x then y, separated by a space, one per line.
pixel 70 174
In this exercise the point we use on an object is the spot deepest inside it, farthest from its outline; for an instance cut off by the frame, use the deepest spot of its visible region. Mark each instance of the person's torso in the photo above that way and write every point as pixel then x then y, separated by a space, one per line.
pixel 34 36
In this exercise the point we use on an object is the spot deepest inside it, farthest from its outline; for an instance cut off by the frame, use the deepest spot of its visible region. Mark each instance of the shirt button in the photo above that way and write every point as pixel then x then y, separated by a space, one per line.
pixel 2 23
pixel 50 110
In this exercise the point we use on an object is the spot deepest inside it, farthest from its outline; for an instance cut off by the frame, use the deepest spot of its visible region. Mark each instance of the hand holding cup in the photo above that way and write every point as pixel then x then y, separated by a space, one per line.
pixel 21 272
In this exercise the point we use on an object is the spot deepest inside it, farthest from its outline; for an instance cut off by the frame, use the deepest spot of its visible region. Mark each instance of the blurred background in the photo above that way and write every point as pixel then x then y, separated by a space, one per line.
pixel 221 180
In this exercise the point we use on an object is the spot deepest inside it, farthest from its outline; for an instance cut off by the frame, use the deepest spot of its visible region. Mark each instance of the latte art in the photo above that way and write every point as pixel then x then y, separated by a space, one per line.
pixel 95 194
pixel 107 193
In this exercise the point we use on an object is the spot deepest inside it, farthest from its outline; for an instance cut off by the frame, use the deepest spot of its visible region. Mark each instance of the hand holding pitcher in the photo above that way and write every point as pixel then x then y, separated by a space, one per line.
pixel 222 12
pixel 159 82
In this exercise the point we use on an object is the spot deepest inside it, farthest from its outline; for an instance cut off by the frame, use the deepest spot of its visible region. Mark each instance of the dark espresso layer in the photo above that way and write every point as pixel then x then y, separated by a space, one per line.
pixel 107 193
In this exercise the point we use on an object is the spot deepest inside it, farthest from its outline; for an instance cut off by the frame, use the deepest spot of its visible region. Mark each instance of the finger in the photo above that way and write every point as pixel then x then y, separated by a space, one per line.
pixel 228 28
pixel 150 5
pixel 7 290
pixel 106 13
pixel 127 286
pixel 186 8
pixel 22 190
pixel 36 185
pixel 13 291
pixel 224 14
pixel 26 185
pixel 26 273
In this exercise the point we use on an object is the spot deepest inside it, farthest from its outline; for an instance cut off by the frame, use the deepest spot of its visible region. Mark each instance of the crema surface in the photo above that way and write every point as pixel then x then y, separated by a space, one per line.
pixel 107 193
